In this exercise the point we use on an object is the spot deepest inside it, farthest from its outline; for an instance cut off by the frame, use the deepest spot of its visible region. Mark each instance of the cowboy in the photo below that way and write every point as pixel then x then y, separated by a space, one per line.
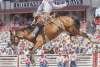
pixel 45 8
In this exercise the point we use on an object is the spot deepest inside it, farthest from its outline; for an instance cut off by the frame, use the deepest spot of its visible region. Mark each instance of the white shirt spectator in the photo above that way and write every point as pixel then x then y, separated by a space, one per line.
pixel 89 51
pixel 65 59
pixel 59 59
pixel 73 57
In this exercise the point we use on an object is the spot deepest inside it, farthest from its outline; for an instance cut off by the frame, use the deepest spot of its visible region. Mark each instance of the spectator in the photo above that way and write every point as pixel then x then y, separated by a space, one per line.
pixel 43 60
pixel 21 46
pixel 9 51
pixel 90 49
pixel 3 52
pixel 41 51
pixel 73 59
pixel 27 61
pixel 61 49
pixel 55 44
pixel 65 60
pixel 59 60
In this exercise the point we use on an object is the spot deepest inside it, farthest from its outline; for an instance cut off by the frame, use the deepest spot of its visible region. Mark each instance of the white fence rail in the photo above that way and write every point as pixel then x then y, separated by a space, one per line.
pixel 9 61
pixel 18 61
pixel 83 61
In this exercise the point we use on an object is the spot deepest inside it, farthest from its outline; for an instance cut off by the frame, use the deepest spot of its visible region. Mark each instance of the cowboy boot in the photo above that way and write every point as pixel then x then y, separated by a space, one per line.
pixel 35 31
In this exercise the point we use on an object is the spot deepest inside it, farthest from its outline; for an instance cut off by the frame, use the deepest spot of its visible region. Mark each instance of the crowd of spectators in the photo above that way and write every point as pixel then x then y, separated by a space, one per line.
pixel 62 44
pixel 15 22
pixel 66 49
pixel 7 48
pixel 4 43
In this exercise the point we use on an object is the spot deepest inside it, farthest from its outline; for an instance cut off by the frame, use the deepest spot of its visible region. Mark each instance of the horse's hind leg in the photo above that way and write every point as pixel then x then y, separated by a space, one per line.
pixel 72 38
pixel 39 41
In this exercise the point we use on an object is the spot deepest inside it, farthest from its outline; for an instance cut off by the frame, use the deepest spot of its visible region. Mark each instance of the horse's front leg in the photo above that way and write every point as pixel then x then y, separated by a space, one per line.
pixel 39 42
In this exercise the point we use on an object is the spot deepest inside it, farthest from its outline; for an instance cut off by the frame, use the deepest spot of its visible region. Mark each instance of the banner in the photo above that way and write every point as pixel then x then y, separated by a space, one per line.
pixel 97 21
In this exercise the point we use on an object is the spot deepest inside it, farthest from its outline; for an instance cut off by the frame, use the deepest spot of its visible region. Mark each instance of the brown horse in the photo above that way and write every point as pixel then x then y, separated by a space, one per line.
pixel 52 28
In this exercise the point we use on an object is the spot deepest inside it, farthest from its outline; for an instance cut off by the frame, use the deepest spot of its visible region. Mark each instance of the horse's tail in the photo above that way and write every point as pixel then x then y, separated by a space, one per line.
pixel 85 35
pixel 77 23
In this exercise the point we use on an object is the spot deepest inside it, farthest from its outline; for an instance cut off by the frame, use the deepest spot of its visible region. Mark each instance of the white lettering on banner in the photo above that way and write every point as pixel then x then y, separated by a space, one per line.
pixel 37 3
pixel 74 2
pixel 26 4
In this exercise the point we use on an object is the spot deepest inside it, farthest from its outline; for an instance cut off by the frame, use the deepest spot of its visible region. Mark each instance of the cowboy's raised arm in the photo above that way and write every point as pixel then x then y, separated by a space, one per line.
pixel 39 10
pixel 59 6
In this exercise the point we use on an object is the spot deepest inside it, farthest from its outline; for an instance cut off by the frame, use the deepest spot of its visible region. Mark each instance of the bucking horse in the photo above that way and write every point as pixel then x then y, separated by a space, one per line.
pixel 51 29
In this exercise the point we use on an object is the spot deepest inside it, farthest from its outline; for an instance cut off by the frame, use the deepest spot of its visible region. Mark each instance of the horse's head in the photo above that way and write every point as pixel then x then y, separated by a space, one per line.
pixel 22 32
